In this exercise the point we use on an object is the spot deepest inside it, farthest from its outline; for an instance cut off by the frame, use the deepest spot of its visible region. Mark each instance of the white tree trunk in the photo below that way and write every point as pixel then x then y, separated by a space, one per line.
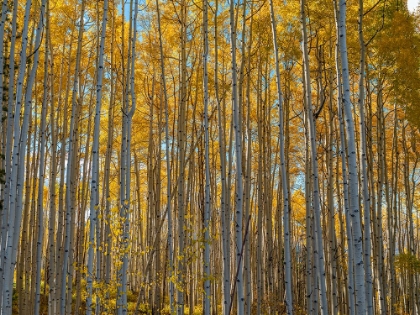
pixel 359 269
pixel 168 167
pixel 319 247
pixel 94 191
pixel 207 201
pixel 40 241
pixel 363 159
pixel 284 175
pixel 125 190
pixel 238 155
pixel 13 205
pixel 225 218
pixel 8 156
pixel 71 160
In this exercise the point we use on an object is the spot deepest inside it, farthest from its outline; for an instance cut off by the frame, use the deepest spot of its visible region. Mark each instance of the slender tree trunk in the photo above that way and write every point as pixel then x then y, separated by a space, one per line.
pixel 40 241
pixel 70 173
pixel 181 161
pixel 11 223
pixel 284 174
pixel 359 269
pixel 224 198
pixel 207 200
pixel 238 154
pixel 364 173
pixel 94 189
pixel 319 248
pixel 168 166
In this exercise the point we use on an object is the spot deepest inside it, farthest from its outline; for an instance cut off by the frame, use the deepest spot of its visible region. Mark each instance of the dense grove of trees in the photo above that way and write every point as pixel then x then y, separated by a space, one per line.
pixel 257 157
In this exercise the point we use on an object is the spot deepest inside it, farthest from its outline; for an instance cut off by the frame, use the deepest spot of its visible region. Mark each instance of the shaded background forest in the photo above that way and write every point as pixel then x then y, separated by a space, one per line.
pixel 109 204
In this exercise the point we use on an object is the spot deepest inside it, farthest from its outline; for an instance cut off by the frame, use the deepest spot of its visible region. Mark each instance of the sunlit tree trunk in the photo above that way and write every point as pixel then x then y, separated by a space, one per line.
pixel 260 201
pixel 61 192
pixel 181 160
pixel 70 193
pixel 248 174
pixel 8 155
pixel 364 172
pixel 332 240
pixel 43 131
pixel 207 197
pixel 343 153
pixel 319 248
pixel 168 166
pixel 224 198
pixel 359 269
pixel 94 188
pixel 13 178
pixel 3 89
pixel 19 152
pixel 311 294
pixel 125 169
pixel 238 155
pixel 52 259
pixel 283 171
pixel 107 240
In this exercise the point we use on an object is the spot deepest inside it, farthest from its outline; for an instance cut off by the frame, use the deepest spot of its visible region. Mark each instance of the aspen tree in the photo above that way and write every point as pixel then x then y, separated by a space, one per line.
pixel 107 166
pixel 9 145
pixel 151 200
pixel 8 156
pixel 43 131
pixel 225 217
pixel 94 193
pixel 158 301
pixel 311 295
pixel 333 250
pixel 125 181
pixel 343 150
pixel 284 174
pixel 259 282
pixel 319 248
pixel 389 182
pixel 168 164
pixel 245 57
pixel 238 156
pixel 27 289
pixel 52 260
pixel 378 232
pixel 61 192
pixel 181 160
pixel 70 193
pixel 4 12
pixel 207 200
pixel 409 207
pixel 359 269
pixel 364 172
pixel 14 203
pixel 247 262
